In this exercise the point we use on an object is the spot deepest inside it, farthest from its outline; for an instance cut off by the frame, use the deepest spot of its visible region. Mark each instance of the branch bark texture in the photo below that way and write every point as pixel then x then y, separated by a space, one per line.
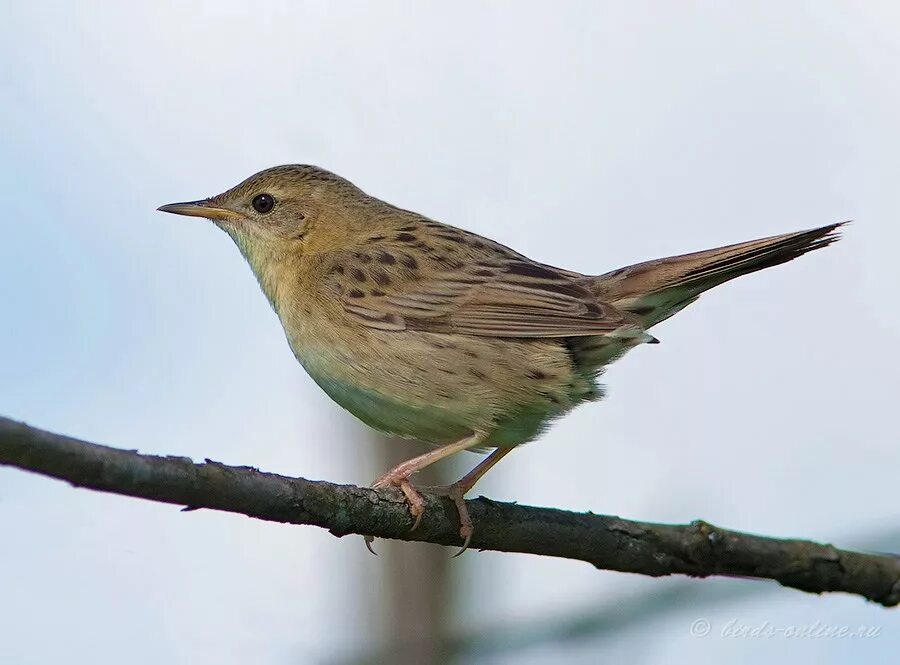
pixel 698 549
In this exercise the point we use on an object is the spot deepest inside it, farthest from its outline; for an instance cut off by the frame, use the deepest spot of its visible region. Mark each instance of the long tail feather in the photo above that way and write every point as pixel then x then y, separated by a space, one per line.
pixel 655 290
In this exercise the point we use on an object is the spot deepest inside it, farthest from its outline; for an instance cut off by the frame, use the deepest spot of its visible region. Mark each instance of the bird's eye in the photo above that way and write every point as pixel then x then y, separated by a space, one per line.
pixel 263 203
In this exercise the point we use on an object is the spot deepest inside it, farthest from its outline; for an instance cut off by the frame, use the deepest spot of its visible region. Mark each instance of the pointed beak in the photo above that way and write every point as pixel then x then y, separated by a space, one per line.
pixel 204 208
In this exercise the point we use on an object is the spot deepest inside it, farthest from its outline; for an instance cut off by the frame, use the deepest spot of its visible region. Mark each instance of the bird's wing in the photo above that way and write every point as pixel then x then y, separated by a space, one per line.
pixel 507 296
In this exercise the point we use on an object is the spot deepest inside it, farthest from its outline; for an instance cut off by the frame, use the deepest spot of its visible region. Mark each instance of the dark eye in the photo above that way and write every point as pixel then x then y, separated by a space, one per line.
pixel 263 203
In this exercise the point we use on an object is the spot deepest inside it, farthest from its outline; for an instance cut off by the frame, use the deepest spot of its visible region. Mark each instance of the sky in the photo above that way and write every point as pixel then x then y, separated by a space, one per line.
pixel 588 135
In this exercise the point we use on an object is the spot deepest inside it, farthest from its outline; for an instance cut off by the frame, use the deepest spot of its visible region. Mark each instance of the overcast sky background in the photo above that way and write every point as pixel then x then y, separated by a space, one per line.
pixel 586 135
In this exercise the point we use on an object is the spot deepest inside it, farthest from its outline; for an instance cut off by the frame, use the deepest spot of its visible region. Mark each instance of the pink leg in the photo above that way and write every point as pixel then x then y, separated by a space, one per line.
pixel 457 492
pixel 400 474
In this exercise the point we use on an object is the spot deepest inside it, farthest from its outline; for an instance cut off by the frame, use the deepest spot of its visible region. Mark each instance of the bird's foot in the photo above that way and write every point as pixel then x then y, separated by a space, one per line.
pixel 399 477
pixel 456 492
pixel 414 499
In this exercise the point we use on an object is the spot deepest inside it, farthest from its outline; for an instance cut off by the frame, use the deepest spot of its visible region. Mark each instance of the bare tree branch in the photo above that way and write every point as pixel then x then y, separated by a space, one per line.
pixel 607 542
pixel 597 620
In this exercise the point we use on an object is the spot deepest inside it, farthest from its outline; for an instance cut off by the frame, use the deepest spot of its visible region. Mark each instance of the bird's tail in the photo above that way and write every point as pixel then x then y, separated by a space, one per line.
pixel 655 290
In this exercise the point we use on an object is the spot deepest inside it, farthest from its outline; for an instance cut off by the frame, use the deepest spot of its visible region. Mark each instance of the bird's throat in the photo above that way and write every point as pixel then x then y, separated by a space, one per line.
pixel 269 260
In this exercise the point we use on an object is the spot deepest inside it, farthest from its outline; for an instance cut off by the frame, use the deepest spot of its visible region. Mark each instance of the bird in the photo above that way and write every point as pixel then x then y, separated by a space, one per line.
pixel 427 331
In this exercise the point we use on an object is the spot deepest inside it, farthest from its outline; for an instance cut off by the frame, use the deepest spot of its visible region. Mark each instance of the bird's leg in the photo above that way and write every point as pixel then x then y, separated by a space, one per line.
pixel 400 474
pixel 457 492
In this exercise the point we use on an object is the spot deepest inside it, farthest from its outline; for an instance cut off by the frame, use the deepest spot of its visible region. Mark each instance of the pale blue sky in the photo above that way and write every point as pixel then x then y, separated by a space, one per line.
pixel 588 135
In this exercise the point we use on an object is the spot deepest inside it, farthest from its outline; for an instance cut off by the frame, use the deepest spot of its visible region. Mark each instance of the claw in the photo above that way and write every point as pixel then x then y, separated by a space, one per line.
pixel 416 503
pixel 413 499
pixel 416 523
pixel 466 527
pixel 468 539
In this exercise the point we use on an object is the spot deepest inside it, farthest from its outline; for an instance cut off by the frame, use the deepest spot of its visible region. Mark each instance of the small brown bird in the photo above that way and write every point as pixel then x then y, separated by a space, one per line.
pixel 427 331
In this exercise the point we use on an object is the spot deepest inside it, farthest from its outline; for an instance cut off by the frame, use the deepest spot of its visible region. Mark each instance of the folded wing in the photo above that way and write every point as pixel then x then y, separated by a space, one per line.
pixel 510 297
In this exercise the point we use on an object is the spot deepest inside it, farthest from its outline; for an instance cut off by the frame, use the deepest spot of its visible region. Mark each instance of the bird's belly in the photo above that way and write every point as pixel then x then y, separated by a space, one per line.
pixel 440 424
pixel 431 423
pixel 439 390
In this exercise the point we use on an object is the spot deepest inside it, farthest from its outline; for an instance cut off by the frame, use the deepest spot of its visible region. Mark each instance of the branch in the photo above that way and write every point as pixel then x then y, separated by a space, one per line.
pixel 598 619
pixel 607 542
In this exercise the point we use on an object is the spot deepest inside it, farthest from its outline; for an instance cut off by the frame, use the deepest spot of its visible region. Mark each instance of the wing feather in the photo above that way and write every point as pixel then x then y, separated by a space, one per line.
pixel 507 297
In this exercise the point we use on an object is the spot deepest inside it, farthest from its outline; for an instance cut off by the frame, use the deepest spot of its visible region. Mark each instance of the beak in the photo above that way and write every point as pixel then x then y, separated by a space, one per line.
pixel 203 208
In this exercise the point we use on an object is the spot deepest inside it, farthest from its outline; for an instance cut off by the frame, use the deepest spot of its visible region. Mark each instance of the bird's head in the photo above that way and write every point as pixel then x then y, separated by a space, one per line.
pixel 278 208
pixel 278 216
